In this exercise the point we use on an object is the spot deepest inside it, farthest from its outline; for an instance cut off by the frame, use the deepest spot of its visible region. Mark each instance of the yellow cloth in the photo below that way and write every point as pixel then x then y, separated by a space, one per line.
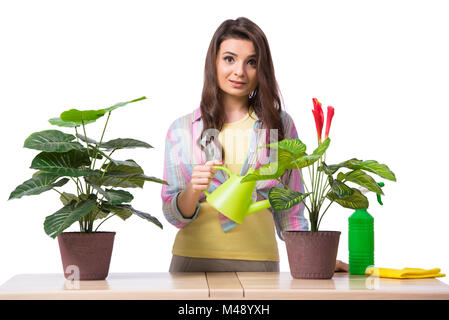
pixel 255 238
pixel 406 273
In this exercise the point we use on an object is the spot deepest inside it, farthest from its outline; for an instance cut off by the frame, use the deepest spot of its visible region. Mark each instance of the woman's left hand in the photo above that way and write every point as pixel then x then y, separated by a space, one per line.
pixel 340 266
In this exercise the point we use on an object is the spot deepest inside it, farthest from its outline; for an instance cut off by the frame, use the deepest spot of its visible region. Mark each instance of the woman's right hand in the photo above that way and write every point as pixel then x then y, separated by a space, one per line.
pixel 203 174
pixel 201 177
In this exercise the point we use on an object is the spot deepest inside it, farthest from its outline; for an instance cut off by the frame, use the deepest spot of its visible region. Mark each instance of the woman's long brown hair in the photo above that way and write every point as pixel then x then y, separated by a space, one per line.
pixel 265 99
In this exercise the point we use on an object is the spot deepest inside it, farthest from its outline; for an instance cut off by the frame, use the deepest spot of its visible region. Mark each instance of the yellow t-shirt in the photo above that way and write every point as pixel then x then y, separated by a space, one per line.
pixel 255 238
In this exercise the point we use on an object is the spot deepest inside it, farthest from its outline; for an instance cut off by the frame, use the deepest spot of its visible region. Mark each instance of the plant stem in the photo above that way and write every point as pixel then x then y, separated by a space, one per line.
pixel 324 191
pixel 316 208
pixel 76 134
pixel 106 169
pixel 104 221
pixel 313 183
pixel 62 195
pixel 88 153
pixel 319 222
pixel 78 190
pixel 101 139
pixel 302 178
pixel 280 181
pixel 320 186
pixel 106 159
pixel 85 136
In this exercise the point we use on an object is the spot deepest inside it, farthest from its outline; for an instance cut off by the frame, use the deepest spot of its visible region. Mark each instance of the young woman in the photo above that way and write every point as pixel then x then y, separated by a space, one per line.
pixel 240 111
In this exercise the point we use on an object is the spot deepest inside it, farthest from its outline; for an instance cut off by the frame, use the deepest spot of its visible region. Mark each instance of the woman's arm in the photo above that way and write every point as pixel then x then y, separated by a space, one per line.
pixel 177 170
pixel 201 177
pixel 180 198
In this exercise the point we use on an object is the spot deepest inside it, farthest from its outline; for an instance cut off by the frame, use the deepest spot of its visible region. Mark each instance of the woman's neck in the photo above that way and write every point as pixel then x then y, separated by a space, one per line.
pixel 235 108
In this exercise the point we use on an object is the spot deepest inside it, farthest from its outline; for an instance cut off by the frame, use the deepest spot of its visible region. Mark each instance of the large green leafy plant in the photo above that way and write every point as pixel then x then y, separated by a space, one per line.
pixel 324 182
pixel 98 179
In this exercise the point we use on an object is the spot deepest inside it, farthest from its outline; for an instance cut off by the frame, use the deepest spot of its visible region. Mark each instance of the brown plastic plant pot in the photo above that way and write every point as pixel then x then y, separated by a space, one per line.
pixel 312 255
pixel 86 256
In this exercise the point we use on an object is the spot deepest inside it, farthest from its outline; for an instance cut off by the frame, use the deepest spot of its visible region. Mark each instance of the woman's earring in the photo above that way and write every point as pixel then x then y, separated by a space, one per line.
pixel 252 94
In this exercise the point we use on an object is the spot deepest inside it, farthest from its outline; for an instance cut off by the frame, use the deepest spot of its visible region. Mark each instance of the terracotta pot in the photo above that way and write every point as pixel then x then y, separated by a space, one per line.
pixel 86 256
pixel 312 255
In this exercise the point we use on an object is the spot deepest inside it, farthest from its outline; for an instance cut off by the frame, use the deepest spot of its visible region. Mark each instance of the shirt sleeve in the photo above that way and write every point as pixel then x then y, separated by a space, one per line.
pixel 177 173
pixel 291 219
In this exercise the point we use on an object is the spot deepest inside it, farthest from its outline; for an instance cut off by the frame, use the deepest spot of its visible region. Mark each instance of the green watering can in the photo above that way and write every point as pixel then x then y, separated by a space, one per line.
pixel 234 199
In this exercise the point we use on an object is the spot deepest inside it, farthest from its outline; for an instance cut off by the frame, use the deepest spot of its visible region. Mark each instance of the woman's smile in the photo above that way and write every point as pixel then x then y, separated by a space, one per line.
pixel 237 84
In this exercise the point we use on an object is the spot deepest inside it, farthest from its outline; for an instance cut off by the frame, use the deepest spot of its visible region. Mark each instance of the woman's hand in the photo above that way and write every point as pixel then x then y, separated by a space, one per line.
pixel 340 266
pixel 203 174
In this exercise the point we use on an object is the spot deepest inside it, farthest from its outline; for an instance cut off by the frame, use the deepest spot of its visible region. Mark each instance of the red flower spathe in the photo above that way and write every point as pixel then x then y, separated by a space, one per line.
pixel 319 117
pixel 329 116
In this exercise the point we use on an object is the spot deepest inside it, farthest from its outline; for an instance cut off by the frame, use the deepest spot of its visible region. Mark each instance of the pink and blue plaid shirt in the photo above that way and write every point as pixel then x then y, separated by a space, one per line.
pixel 182 153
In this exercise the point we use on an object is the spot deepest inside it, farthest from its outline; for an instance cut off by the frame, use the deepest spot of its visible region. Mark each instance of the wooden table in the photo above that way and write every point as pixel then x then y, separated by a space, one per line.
pixel 220 286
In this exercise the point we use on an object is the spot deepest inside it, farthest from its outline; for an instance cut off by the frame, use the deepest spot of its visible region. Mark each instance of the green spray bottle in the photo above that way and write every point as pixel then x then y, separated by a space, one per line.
pixel 361 239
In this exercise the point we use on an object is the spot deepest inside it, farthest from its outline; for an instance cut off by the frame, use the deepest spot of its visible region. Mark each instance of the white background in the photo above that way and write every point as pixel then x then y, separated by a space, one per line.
pixel 383 65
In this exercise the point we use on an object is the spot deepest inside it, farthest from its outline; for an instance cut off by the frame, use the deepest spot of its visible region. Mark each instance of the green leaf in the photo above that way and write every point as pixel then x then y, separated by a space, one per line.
pixel 291 155
pixel 121 180
pixel 355 201
pixel 78 116
pixel 322 147
pixel 282 199
pixel 362 179
pixel 118 196
pixel 69 163
pixel 294 146
pixel 75 117
pixel 52 141
pixel 288 150
pixel 272 170
pixel 124 144
pixel 121 212
pixel 129 167
pixel 66 198
pixel 341 189
pixel 307 160
pixel 327 169
pixel 99 214
pixel 36 185
pixel 124 174
pixel 373 166
pixel 58 122
pixel 113 196
pixel 125 211
pixel 121 104
pixel 66 216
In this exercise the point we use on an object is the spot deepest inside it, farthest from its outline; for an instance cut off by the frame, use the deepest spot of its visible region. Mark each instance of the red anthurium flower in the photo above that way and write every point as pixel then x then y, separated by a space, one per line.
pixel 329 116
pixel 319 117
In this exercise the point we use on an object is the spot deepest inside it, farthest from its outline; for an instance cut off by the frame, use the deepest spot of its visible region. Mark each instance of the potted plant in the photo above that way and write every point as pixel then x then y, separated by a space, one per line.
pixel 312 254
pixel 98 182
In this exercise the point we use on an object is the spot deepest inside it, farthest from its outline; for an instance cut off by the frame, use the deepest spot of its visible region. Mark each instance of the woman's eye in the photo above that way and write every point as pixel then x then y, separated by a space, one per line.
pixel 252 62
pixel 229 59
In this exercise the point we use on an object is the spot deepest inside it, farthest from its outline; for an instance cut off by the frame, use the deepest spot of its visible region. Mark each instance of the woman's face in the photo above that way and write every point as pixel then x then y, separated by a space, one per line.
pixel 236 67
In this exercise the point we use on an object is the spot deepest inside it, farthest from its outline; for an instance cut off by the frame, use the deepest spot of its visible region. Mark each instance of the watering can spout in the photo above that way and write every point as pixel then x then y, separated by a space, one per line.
pixel 257 206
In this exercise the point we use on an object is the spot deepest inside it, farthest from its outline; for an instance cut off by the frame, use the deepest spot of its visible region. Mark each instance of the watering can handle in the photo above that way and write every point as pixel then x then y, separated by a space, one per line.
pixel 221 168
pixel 224 169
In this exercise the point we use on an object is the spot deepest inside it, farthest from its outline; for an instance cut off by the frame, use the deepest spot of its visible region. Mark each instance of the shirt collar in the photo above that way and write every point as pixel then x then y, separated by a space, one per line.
pixel 196 114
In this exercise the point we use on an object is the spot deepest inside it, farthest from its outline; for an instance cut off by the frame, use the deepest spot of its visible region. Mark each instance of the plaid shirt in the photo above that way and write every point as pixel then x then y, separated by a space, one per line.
pixel 182 153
